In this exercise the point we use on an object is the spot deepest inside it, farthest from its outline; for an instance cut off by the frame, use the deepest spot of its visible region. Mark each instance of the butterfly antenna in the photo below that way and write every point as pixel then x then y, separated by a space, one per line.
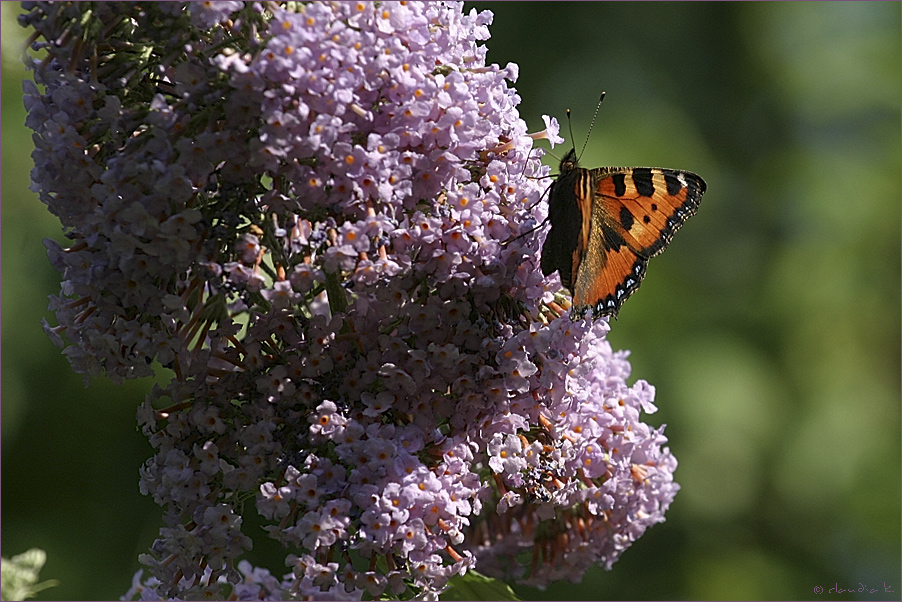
pixel 591 125
pixel 570 127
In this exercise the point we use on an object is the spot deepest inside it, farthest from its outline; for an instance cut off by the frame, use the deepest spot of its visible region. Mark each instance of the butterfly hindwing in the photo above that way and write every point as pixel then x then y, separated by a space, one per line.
pixel 606 223
pixel 610 270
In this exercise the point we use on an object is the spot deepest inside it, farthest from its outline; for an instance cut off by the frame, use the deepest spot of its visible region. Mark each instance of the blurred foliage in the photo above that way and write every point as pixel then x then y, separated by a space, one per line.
pixel 770 327
pixel 19 578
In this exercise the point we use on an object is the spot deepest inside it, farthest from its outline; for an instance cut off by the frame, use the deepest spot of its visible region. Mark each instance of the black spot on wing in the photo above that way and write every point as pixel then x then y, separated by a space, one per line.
pixel 643 182
pixel 612 238
pixel 694 183
pixel 646 219
pixel 619 180
pixel 674 186
pixel 626 218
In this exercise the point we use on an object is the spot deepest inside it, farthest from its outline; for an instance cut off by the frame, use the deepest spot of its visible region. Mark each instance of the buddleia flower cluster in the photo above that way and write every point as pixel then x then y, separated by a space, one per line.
pixel 322 221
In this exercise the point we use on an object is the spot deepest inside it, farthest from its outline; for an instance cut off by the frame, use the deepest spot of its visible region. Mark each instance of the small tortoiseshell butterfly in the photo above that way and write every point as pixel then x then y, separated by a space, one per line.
pixel 606 223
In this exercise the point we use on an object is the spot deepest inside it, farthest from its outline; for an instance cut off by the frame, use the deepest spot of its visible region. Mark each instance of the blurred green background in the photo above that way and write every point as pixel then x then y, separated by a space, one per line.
pixel 770 327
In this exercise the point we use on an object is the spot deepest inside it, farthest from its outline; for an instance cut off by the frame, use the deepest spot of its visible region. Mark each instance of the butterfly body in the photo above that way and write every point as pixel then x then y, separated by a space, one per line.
pixel 606 223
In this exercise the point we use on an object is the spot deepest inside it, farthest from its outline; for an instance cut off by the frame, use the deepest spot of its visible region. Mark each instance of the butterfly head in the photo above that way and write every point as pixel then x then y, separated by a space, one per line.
pixel 569 162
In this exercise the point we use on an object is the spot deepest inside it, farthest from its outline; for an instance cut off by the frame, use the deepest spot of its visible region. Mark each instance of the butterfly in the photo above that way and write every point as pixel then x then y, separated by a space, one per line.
pixel 606 223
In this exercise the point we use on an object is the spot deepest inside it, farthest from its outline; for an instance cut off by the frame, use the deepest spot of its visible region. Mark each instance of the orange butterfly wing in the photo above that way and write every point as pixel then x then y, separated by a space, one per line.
pixel 634 214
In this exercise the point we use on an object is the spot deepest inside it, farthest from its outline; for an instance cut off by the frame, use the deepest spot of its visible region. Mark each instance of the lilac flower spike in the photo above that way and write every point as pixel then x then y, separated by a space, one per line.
pixel 313 217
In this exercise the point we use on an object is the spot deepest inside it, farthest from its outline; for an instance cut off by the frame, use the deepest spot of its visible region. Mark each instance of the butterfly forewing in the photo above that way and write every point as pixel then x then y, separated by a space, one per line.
pixel 648 203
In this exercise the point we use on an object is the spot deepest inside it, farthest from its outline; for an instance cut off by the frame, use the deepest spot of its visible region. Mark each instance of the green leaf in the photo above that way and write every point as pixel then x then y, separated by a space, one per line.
pixel 475 586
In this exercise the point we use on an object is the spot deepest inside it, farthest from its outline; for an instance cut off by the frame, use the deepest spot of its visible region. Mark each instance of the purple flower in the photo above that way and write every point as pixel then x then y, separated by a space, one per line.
pixel 316 220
